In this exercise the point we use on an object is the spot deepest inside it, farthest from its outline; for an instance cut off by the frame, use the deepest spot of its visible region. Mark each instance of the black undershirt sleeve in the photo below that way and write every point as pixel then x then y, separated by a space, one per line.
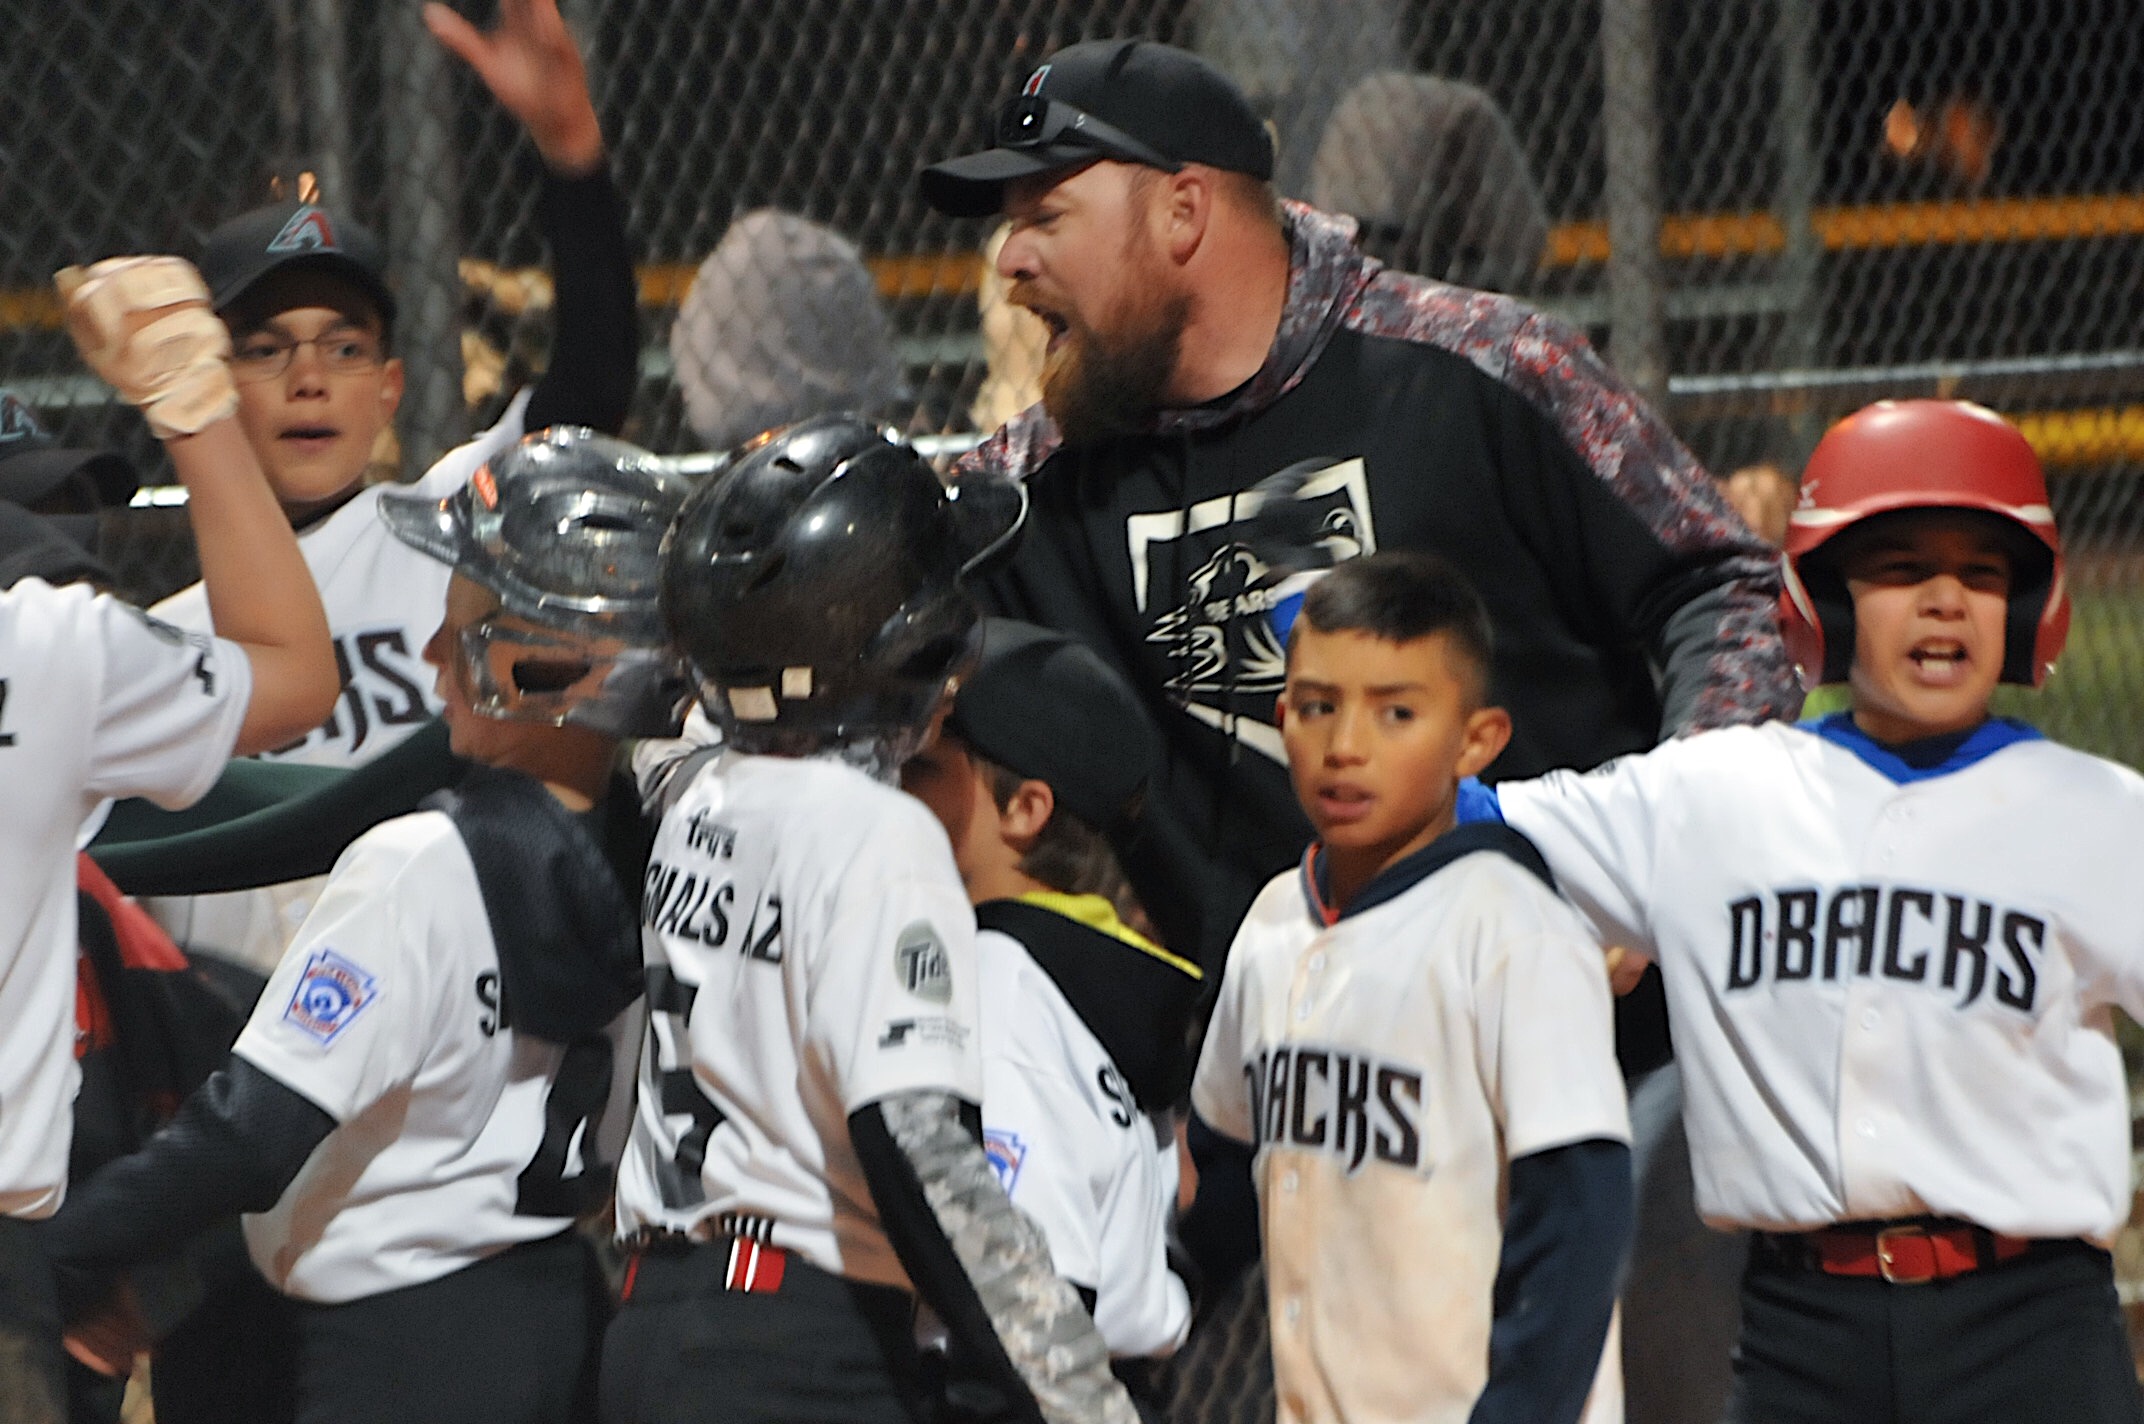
pixel 234 1146
pixel 1566 1244
pixel 595 341
pixel 1220 1231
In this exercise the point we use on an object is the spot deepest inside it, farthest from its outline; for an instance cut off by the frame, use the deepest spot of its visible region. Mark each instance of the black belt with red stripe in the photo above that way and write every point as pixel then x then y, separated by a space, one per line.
pixel 755 1264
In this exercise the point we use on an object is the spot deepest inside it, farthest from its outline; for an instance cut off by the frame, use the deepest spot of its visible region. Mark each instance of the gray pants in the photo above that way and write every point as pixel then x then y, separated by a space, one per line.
pixel 1682 1308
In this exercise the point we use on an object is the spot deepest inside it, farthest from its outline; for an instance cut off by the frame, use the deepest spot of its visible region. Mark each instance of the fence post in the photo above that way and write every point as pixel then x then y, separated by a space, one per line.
pixel 423 232
pixel 327 98
pixel 1801 334
pixel 1630 126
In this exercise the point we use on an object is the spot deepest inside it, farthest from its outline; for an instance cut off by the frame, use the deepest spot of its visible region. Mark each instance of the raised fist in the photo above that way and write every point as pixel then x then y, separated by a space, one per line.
pixel 144 324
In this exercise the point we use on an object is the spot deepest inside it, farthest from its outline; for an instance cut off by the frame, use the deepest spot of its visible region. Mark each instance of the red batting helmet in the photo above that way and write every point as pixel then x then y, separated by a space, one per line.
pixel 1921 454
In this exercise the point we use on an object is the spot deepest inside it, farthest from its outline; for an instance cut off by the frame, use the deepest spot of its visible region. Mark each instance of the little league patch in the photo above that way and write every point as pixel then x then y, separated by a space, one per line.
pixel 331 992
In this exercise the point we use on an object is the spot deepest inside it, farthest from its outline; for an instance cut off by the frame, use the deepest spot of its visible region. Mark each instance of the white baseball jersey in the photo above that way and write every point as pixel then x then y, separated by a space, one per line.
pixel 383 599
pixel 96 701
pixel 1387 1066
pixel 1074 1151
pixel 1890 990
pixel 386 1014
pixel 810 951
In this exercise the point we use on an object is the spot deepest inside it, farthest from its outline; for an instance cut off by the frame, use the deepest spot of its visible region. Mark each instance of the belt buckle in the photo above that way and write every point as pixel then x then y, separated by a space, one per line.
pixel 1886 1265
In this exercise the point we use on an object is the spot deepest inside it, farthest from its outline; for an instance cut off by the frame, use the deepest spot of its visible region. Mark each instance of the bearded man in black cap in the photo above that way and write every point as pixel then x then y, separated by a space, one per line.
pixel 1204 336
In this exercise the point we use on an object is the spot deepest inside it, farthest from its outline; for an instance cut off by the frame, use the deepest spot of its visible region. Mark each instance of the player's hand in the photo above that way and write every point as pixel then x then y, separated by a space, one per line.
pixel 1625 968
pixel 533 68
pixel 145 325
pixel 109 1337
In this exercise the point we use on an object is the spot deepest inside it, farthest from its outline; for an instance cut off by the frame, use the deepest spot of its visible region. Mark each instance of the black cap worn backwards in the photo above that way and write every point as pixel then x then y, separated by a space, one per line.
pixel 288 235
pixel 1130 100
pixel 1047 708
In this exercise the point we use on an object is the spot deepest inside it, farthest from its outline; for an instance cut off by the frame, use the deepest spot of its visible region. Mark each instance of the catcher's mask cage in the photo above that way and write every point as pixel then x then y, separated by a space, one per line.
pixel 814 587
pixel 566 528
pixel 1896 456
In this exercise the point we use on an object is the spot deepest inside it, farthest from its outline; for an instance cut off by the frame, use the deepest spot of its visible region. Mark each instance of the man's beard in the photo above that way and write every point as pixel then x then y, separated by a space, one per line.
pixel 1096 386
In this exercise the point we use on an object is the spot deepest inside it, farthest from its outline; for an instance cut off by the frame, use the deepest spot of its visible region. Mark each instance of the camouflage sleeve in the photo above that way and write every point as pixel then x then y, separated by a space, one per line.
pixel 1722 654
pixel 1003 1262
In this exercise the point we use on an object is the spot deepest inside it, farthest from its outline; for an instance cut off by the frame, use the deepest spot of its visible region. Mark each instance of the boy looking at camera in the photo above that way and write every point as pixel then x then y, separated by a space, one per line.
pixel 1414 1034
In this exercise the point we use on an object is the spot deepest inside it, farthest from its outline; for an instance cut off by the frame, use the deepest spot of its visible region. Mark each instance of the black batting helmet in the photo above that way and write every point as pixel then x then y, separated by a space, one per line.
pixel 814 587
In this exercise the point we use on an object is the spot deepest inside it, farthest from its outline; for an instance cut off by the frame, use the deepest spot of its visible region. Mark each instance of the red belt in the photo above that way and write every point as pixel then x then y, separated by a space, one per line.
pixel 1908 1255
pixel 751 1266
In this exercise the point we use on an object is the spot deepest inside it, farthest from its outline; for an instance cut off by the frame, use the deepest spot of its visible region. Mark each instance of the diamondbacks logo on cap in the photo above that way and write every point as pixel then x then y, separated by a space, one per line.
pixel 309 230
pixel 16 422
pixel 330 994
pixel 920 959
pixel 1034 83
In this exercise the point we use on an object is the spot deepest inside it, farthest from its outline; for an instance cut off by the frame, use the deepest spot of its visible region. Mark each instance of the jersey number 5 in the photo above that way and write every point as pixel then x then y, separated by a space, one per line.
pixel 671 997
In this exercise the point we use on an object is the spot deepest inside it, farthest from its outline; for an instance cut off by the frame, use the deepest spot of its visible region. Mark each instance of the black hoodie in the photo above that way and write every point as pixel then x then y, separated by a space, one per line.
pixel 1629 602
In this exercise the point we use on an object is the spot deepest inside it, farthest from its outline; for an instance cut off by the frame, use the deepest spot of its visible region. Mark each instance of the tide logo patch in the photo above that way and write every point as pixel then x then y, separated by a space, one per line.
pixel 331 993
pixel 1007 1153
pixel 919 958
pixel 308 230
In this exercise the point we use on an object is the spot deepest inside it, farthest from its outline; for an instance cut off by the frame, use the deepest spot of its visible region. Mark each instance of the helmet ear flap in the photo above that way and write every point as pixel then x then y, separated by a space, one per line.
pixel 1816 620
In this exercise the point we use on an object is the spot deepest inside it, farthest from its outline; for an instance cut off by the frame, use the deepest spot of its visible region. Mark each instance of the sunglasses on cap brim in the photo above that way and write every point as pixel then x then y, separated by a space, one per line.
pixel 1033 122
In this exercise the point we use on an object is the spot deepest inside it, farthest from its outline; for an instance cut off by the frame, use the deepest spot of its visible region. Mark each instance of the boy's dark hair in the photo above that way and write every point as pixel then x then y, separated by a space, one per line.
pixel 1069 856
pixel 1399 596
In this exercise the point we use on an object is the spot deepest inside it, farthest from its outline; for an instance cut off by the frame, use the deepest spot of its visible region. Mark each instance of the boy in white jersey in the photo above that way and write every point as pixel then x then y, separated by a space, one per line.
pixel 97 700
pixel 303 288
pixel 1085 1022
pixel 1892 940
pixel 412 1112
pixel 804 1163
pixel 1415 1034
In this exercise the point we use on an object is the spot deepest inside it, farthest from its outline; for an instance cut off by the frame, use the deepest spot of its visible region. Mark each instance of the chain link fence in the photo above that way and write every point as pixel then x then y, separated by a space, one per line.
pixel 1768 212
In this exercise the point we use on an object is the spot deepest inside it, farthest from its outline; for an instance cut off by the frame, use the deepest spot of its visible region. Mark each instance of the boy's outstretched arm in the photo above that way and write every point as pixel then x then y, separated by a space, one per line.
pixel 144 324
pixel 533 68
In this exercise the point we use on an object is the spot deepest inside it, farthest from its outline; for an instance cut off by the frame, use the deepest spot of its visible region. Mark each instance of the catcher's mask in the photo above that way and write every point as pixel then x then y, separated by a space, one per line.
pixel 566 529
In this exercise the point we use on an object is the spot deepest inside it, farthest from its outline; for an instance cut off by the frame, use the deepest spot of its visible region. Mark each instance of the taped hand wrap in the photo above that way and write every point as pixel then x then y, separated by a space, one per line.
pixel 144 325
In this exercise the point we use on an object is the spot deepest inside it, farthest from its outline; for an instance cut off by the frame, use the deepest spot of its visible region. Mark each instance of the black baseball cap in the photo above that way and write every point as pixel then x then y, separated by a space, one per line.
pixel 1046 707
pixel 34 468
pixel 34 546
pixel 289 235
pixel 1135 101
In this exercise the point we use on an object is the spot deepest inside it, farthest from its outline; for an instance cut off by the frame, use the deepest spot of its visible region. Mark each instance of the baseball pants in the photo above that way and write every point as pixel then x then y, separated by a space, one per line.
pixel 2038 1338
pixel 687 1349
pixel 509 1340
pixel 33 1387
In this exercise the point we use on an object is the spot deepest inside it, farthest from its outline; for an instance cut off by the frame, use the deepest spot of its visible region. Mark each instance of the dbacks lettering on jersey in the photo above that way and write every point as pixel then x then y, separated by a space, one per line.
pixel 1323 1099
pixel 1897 931
pixel 383 685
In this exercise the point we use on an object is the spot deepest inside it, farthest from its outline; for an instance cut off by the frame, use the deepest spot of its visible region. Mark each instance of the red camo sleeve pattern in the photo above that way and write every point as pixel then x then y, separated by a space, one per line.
pixel 1620 438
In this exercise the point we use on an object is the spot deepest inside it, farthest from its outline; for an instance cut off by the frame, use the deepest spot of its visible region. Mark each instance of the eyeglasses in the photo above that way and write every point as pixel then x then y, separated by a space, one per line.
pixel 342 353
pixel 1031 121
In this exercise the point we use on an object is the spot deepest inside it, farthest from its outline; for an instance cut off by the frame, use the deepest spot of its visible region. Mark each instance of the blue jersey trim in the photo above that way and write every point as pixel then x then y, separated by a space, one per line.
pixel 1929 757
pixel 1477 802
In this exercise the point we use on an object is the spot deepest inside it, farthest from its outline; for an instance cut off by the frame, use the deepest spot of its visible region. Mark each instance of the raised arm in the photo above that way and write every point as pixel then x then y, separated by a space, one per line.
pixel 144 324
pixel 532 67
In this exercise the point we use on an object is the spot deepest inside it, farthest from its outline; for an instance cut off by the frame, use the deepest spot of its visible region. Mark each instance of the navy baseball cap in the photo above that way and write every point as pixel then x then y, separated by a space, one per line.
pixel 1135 101
pixel 36 472
pixel 287 235
pixel 1046 707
